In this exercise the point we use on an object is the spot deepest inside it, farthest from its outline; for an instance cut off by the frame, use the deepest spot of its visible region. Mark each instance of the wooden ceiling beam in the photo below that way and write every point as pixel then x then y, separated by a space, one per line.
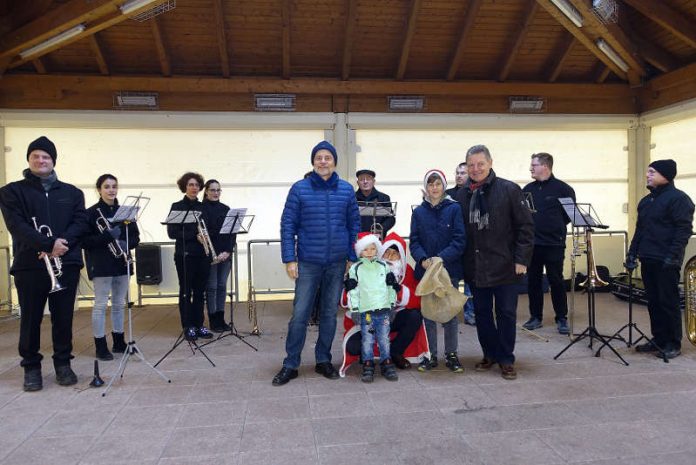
pixel 95 43
pixel 408 37
pixel 522 30
pixel 221 37
pixel 614 36
pixel 674 78
pixel 602 73
pixel 653 54
pixel 667 17
pixel 564 50
pixel 92 27
pixel 351 18
pixel 165 64
pixel 20 13
pixel 200 84
pixel 286 39
pixel 580 36
pixel 469 19
pixel 39 66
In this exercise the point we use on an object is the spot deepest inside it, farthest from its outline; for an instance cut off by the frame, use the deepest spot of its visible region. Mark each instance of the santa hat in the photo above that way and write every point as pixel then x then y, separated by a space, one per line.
pixel 365 239
pixel 437 173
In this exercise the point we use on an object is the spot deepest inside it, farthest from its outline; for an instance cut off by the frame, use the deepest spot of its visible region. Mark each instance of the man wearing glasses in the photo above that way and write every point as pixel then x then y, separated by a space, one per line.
pixel 550 223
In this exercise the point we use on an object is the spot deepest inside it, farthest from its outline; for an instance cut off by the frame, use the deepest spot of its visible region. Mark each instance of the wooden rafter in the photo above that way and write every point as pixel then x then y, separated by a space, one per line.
pixel 667 17
pixel 286 39
pixel 675 78
pixel 653 54
pixel 559 59
pixel 614 36
pixel 96 22
pixel 408 37
pixel 95 43
pixel 39 65
pixel 351 18
pixel 580 36
pixel 471 13
pixel 221 37
pixel 162 54
pixel 522 30
pixel 212 85
pixel 602 73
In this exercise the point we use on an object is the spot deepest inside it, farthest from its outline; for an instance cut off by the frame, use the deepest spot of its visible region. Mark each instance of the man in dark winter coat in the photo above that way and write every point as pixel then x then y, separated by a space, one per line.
pixel 38 200
pixel 318 229
pixel 664 225
pixel 550 223
pixel 500 239
pixel 368 196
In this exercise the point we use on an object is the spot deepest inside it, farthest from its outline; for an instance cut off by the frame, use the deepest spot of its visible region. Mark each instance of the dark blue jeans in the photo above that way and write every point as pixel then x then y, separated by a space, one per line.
pixel 216 292
pixel 496 336
pixel 311 276
pixel 380 333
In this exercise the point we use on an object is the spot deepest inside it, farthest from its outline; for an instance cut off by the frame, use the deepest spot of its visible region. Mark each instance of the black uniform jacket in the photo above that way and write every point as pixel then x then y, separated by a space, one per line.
pixel 491 253
pixel 665 221
pixel 550 220
pixel 62 209
pixel 100 261
pixel 387 222
pixel 185 234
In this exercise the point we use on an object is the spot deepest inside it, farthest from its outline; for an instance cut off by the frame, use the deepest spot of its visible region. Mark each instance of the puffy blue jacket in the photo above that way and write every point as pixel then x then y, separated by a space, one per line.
pixel 320 221
pixel 438 232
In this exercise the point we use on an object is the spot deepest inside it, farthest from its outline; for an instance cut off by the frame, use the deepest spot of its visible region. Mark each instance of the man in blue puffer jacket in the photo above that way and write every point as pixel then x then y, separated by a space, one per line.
pixel 318 229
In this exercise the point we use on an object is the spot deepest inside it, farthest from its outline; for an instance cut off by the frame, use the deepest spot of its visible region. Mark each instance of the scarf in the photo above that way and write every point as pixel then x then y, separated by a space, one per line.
pixel 478 213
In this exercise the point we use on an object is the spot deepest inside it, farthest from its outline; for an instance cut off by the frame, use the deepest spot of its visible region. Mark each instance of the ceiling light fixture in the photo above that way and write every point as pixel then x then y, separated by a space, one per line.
pixel 570 11
pixel 136 100
pixel 406 103
pixel 129 7
pixel 612 55
pixel 527 104
pixel 53 41
pixel 274 102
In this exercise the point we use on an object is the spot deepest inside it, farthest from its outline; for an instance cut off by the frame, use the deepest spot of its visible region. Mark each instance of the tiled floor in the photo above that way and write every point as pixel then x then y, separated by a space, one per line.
pixel 578 409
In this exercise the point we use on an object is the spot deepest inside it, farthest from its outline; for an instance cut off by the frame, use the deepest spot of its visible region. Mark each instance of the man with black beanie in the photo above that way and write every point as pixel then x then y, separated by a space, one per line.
pixel 663 228
pixel 38 200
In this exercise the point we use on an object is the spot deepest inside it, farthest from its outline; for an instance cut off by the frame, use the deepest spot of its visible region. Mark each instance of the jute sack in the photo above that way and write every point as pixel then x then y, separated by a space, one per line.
pixel 440 301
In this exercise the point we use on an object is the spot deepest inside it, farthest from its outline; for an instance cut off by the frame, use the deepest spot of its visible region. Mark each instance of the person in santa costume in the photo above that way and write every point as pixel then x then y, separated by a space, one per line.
pixel 409 343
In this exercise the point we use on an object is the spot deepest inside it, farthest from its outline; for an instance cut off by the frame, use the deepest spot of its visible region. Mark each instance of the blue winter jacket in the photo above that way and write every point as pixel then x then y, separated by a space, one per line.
pixel 438 232
pixel 320 221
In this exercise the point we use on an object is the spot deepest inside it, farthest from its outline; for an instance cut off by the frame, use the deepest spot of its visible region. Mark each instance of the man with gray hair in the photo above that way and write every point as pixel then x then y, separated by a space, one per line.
pixel 500 240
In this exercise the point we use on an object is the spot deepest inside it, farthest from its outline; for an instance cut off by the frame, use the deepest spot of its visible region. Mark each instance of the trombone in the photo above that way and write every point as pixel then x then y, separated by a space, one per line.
pixel 114 247
pixel 54 265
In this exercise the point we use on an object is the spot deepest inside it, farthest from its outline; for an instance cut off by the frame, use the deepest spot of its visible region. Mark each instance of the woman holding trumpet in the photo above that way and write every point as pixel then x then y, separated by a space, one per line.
pixel 107 265
pixel 192 257
pixel 223 245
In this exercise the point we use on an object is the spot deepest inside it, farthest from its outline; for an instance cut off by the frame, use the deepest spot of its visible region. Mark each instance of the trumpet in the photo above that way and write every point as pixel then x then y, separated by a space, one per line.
pixel 206 241
pixel 114 247
pixel 54 266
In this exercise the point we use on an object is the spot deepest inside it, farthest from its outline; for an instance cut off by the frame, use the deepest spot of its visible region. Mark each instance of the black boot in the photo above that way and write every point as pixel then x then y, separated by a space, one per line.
pixel 119 346
pixel 388 370
pixel 102 350
pixel 217 322
pixel 33 380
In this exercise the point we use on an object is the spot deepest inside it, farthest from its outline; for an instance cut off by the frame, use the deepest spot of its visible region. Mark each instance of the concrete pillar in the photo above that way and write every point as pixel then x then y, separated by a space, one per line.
pixel 639 145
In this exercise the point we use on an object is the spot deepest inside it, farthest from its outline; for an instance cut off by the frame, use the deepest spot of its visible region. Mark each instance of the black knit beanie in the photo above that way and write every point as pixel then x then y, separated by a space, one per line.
pixel 667 168
pixel 43 143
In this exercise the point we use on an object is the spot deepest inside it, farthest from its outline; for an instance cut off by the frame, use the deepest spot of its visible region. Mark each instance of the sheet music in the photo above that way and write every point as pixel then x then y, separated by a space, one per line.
pixel 180 216
pixel 576 215
pixel 125 213
pixel 377 209
pixel 233 221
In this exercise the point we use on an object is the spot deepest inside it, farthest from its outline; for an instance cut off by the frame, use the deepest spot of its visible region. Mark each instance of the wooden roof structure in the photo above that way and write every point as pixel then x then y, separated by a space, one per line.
pixel 350 55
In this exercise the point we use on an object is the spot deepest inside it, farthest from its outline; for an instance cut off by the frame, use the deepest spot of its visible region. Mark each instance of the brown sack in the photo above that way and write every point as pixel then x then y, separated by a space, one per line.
pixel 440 301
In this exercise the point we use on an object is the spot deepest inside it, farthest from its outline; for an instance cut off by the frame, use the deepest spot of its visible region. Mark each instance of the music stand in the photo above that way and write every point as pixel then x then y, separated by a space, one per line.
pixel 236 222
pixel 130 211
pixel 585 219
pixel 183 217
pixel 377 210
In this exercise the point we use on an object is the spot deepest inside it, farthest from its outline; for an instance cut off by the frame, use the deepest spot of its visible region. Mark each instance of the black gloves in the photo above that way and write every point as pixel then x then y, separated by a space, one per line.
pixel 391 281
pixel 631 263
pixel 350 284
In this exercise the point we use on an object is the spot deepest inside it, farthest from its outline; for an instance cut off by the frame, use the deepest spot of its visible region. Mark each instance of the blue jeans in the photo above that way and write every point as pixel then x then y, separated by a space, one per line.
pixel 311 276
pixel 117 286
pixel 496 336
pixel 380 331
pixel 216 292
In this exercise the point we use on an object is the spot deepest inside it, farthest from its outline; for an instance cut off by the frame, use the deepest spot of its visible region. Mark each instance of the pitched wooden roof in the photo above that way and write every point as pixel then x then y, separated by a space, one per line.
pixel 348 55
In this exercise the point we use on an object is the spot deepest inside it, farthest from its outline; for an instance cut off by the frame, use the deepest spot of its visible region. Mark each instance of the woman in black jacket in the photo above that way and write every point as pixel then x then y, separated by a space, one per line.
pixel 107 254
pixel 192 264
pixel 215 212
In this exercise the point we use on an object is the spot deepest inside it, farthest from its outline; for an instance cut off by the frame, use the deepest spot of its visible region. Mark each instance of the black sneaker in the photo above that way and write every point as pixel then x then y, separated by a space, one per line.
pixel 33 380
pixel 532 324
pixel 452 362
pixel 284 376
pixel 204 333
pixel 427 363
pixel 65 376
pixel 647 347
pixel 668 353
pixel 190 334
pixel 562 326
pixel 220 327
pixel 327 370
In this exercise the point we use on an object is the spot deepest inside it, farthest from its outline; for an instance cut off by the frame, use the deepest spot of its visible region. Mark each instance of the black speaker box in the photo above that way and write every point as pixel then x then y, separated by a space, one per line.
pixel 148 264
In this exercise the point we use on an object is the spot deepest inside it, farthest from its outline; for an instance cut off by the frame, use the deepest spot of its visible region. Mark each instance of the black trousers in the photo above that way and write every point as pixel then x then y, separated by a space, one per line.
pixel 662 287
pixel 33 288
pixel 193 278
pixel 406 324
pixel 552 258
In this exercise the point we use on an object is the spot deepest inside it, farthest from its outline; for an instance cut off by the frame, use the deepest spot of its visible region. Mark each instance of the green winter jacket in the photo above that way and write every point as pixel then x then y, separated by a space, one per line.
pixel 372 292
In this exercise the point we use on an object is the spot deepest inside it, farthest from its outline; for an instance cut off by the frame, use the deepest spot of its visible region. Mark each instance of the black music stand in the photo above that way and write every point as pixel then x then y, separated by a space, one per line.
pixel 585 219
pixel 183 217
pixel 236 222
pixel 130 211
pixel 377 210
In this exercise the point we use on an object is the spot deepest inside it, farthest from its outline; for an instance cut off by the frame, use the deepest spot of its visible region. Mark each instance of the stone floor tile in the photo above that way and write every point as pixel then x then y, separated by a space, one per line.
pixel 292 408
pixel 370 453
pixel 277 435
pixel 53 450
pixel 512 448
pixel 465 398
pixel 227 459
pixel 445 451
pixel 77 422
pixel 341 405
pixel 145 418
pixel 302 456
pixel 264 389
pixel 421 425
pixel 224 392
pixel 132 446
pixel 352 430
pixel 213 440
pixel 213 414
pixel 160 395
pixel 401 401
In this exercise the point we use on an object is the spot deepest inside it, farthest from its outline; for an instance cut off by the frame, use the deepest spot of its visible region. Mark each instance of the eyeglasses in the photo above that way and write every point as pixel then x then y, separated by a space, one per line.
pixel 534 165
pixel 214 190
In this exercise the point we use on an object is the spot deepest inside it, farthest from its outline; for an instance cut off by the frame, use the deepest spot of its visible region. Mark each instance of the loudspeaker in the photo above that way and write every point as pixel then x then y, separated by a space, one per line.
pixel 148 264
